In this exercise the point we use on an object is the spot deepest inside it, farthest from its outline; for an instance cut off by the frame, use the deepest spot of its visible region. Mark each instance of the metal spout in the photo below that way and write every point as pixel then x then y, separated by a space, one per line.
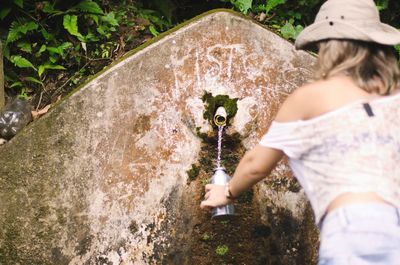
pixel 220 116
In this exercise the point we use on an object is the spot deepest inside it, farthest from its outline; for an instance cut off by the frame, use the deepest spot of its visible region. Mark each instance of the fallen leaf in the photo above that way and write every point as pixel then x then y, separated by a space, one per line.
pixel 37 114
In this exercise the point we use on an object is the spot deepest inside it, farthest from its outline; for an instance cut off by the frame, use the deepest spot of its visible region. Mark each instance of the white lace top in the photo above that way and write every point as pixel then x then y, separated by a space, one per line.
pixel 355 148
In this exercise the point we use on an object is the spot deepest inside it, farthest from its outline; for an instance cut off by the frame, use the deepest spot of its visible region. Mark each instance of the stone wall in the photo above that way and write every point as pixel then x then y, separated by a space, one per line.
pixel 101 178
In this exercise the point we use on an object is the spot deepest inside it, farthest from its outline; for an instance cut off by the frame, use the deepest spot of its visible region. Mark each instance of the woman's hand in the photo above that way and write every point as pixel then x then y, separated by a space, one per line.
pixel 214 197
pixel 254 166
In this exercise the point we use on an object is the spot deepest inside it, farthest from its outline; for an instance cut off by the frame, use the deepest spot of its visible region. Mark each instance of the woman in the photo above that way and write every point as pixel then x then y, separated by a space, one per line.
pixel 342 136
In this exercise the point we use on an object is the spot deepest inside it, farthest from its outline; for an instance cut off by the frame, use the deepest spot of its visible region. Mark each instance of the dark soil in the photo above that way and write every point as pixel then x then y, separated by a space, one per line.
pixel 239 240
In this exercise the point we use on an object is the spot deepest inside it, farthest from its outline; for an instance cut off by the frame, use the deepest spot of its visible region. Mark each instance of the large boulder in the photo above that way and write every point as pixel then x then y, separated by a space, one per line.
pixel 102 178
pixel 1 78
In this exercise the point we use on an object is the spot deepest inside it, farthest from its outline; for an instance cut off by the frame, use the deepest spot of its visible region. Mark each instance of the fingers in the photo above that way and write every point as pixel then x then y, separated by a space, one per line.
pixel 214 196
pixel 206 204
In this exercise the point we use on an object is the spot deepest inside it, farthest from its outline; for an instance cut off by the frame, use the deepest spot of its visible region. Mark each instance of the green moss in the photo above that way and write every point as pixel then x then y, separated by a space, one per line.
pixel 30 182
pixel 193 172
pixel 212 103
pixel 246 197
pixel 222 250
pixel 232 151
pixel 206 237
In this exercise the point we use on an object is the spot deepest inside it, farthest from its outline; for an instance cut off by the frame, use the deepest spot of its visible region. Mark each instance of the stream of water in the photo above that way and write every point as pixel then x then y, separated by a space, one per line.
pixel 220 131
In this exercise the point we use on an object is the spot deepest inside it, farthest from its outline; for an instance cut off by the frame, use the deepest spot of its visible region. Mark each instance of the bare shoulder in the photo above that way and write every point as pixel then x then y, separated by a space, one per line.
pixel 319 97
pixel 301 102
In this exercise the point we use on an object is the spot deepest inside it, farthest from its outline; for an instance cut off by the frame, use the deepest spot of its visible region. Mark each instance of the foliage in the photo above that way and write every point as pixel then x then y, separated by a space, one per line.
pixel 288 17
pixel 382 4
pixel 288 31
pixel 272 4
pixel 222 250
pixel 61 42
pixel 242 5
pixel 43 39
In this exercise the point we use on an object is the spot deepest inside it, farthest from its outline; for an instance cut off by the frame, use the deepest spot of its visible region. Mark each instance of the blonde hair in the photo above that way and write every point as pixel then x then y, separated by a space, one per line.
pixel 372 66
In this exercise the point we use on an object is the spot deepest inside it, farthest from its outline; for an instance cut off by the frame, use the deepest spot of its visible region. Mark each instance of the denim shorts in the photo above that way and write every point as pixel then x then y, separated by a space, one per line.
pixel 361 234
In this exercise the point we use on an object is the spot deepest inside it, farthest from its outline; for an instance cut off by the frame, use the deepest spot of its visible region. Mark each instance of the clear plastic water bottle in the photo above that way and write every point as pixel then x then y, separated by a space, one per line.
pixel 220 177
pixel 15 116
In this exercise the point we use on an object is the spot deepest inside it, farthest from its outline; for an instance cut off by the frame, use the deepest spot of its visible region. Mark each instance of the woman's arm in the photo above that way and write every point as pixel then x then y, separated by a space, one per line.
pixel 258 163
pixel 254 166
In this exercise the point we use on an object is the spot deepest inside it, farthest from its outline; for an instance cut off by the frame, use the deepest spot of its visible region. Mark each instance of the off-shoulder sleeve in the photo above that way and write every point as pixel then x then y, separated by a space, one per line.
pixel 286 137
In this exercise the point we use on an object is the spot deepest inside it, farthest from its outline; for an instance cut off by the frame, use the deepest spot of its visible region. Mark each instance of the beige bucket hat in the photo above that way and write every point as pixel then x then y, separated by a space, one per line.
pixel 348 19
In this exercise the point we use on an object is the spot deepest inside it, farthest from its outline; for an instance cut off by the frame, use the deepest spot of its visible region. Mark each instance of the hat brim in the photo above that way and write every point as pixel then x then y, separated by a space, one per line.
pixel 379 33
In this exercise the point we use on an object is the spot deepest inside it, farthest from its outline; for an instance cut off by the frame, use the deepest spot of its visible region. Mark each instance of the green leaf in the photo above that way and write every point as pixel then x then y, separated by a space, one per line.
pixel 242 5
pixel 95 18
pixel 271 4
pixel 48 66
pixel 13 33
pixel 4 12
pixel 382 4
pixel 153 31
pixel 41 70
pixel 17 28
pixel 33 80
pixel 288 31
pixel 6 52
pixel 19 3
pixel 25 47
pixel 46 35
pixel 101 30
pixel 21 62
pixel 40 51
pixel 70 23
pixel 299 29
pixel 48 8
pixel 88 6
pixel 16 84
pixel 53 50
pixel 59 49
pixel 65 45
pixel 54 67
pixel 397 47
pixel 28 27
pixel 42 48
pixel 91 37
pixel 24 93
pixel 110 19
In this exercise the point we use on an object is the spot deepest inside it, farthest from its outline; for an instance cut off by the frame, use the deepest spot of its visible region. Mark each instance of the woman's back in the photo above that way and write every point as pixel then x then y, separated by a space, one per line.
pixel 341 149
pixel 322 97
